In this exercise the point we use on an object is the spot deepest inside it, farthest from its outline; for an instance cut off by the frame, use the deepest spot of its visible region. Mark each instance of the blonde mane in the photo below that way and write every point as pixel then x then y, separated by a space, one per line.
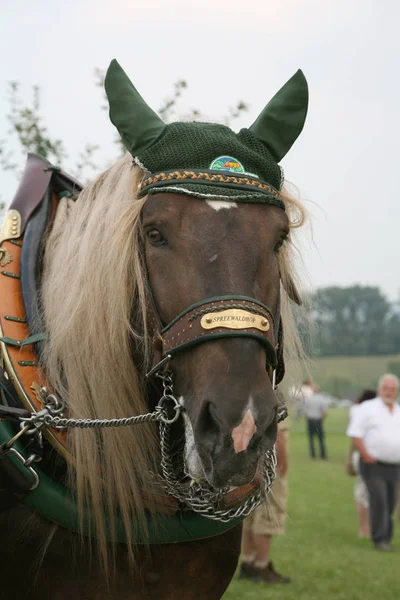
pixel 93 279
pixel 295 356
pixel 94 305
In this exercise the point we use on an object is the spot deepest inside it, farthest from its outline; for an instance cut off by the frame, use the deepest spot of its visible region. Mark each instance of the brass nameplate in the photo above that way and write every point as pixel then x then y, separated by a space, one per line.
pixel 234 318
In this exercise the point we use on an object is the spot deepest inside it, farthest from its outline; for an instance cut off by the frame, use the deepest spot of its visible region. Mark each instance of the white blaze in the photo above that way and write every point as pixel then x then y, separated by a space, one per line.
pixel 243 433
pixel 218 204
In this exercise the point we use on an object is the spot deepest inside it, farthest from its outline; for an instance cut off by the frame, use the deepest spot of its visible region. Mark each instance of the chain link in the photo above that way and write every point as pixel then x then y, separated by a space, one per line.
pixel 205 500
pixel 53 405
pixel 196 496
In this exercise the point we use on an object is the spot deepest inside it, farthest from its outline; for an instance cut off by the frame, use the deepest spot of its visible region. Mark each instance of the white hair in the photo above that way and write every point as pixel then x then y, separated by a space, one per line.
pixel 388 376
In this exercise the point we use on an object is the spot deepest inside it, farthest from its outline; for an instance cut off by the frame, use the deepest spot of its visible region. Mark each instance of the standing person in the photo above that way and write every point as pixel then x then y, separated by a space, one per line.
pixel 375 430
pixel 315 412
pixel 265 521
pixel 353 468
pixel 300 395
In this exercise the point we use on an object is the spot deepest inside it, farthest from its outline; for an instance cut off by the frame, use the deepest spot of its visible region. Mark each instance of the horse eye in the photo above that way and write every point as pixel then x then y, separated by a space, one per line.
pixel 155 238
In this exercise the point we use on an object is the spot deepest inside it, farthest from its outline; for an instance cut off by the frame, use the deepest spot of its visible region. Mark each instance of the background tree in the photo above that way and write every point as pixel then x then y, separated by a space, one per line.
pixel 353 321
pixel 27 127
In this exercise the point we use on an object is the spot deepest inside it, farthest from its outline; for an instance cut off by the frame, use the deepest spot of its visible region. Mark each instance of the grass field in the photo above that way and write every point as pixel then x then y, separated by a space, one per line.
pixel 321 550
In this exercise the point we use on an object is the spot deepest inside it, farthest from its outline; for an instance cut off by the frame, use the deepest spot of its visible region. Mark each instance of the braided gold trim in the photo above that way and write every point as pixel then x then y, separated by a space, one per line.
pixel 207 177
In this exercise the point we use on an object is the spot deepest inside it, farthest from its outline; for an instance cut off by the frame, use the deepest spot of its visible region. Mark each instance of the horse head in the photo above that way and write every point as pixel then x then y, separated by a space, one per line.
pixel 213 227
pixel 198 250
pixel 177 256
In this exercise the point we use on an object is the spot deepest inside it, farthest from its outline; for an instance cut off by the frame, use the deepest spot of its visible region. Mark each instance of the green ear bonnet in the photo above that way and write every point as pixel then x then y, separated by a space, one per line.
pixel 208 160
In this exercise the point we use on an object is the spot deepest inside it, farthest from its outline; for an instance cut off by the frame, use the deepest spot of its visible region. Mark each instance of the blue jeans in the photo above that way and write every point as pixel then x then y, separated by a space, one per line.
pixel 315 428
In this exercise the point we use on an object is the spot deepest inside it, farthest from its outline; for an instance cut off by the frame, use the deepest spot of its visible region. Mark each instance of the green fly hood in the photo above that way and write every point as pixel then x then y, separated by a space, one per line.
pixel 208 160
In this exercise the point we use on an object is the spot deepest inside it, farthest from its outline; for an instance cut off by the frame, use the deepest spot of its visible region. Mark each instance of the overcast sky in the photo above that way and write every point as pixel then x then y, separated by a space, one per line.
pixel 346 162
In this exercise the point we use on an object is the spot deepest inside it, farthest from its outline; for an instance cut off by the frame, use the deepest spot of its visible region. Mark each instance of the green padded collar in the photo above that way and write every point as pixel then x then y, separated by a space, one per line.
pixel 56 503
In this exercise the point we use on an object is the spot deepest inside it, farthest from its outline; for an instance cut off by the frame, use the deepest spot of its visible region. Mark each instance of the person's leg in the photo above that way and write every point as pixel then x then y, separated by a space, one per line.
pixel 321 434
pixel 362 508
pixel 271 522
pixel 310 430
pixel 364 529
pixel 263 565
pixel 392 484
pixel 246 570
pixel 398 502
pixel 262 545
pixel 378 501
pixel 248 545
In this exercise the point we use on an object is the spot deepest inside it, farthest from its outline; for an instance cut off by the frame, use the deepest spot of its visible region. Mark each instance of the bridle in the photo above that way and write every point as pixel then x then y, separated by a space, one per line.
pixel 215 318
pixel 220 317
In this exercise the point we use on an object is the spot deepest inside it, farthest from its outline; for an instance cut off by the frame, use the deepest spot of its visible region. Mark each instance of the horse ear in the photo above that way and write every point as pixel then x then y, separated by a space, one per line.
pixel 282 120
pixel 137 124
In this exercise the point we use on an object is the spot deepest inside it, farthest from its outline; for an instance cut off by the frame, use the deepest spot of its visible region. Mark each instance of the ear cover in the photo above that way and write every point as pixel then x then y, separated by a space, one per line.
pixel 137 124
pixel 282 120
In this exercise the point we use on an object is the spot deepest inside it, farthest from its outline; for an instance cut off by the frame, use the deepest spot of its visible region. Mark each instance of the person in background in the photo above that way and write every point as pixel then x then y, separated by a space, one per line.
pixel 300 395
pixel 265 521
pixel 353 468
pixel 315 412
pixel 375 431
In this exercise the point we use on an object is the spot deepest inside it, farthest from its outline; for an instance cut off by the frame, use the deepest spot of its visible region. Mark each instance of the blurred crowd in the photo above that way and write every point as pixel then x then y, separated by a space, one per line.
pixel 374 430
pixel 374 461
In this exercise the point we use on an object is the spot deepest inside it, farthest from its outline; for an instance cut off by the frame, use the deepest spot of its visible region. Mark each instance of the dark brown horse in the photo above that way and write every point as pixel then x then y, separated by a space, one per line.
pixel 121 283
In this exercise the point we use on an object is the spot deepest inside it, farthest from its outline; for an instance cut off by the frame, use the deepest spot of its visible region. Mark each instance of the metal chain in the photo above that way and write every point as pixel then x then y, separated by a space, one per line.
pixel 53 405
pixel 196 496
pixel 203 499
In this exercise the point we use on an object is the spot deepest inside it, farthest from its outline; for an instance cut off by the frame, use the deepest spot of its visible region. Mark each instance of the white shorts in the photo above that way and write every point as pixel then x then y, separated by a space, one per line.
pixel 361 492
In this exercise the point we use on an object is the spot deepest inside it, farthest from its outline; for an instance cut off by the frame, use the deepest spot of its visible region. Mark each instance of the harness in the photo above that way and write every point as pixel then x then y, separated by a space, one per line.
pixel 25 400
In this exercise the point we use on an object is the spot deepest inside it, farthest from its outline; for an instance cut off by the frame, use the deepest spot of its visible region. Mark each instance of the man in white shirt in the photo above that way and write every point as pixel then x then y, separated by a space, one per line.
pixel 375 429
pixel 300 395
pixel 315 412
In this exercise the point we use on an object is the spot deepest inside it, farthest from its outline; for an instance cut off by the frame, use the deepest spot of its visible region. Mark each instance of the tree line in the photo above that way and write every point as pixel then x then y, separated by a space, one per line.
pixel 354 321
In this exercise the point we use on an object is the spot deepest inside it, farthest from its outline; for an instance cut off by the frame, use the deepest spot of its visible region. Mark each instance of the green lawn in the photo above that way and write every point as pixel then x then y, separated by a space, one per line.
pixel 321 550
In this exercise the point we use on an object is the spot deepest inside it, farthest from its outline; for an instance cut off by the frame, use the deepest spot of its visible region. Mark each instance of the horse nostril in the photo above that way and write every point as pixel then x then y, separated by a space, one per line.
pixel 208 422
pixel 212 429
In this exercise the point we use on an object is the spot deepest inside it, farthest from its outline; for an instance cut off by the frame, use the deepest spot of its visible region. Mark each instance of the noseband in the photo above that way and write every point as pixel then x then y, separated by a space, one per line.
pixel 218 318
